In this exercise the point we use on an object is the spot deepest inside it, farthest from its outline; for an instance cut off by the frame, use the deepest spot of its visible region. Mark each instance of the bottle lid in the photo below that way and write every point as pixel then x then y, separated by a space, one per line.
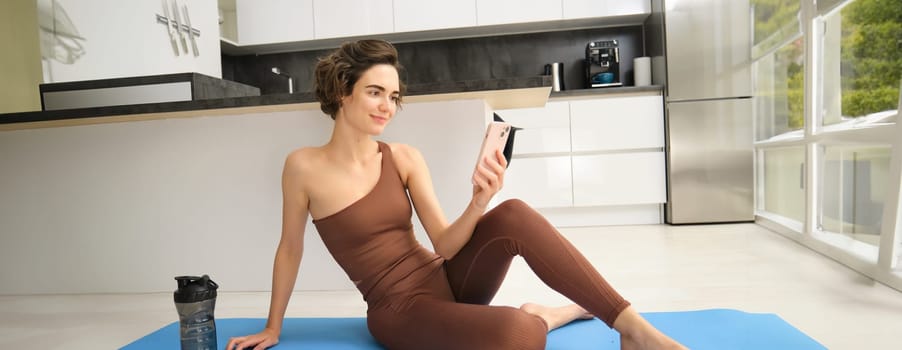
pixel 193 289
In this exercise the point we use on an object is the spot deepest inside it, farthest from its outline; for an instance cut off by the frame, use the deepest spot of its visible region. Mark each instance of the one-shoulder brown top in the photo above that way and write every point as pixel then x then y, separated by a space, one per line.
pixel 373 240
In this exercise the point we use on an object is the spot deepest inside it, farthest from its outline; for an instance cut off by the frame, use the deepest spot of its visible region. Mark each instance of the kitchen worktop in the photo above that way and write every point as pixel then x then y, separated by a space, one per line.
pixel 606 91
pixel 501 93
pixel 202 87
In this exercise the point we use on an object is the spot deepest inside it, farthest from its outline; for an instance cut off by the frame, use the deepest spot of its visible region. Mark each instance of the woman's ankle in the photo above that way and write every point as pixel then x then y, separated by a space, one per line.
pixel 628 322
pixel 637 333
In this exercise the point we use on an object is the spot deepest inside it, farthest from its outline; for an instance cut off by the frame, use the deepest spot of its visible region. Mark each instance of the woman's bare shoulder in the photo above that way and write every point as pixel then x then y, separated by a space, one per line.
pixel 406 156
pixel 302 160
pixel 404 151
pixel 408 159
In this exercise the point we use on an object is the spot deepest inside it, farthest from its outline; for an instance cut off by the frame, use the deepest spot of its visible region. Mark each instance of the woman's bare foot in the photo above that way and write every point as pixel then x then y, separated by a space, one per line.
pixel 637 334
pixel 556 316
pixel 629 343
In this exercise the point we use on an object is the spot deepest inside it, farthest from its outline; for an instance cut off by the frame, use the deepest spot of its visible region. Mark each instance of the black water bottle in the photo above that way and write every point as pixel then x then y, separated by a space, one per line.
pixel 195 300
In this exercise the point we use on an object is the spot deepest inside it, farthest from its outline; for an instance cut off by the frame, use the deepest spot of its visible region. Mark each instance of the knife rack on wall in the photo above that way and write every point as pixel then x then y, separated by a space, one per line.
pixel 179 26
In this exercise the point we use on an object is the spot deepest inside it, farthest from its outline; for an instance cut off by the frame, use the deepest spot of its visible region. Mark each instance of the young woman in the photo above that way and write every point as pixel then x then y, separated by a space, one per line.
pixel 359 193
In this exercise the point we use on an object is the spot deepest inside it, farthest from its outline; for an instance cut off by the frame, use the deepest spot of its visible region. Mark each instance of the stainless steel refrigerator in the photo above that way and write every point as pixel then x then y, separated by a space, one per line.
pixel 710 172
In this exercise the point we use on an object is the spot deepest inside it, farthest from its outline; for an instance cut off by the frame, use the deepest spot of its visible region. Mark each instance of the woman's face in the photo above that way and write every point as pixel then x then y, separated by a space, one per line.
pixel 373 100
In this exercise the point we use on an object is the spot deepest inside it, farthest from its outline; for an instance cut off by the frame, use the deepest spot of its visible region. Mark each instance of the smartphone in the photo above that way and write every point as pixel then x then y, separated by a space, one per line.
pixel 496 134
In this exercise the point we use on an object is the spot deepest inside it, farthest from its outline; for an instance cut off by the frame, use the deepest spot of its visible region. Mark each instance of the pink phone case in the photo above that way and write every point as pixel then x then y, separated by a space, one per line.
pixel 496 135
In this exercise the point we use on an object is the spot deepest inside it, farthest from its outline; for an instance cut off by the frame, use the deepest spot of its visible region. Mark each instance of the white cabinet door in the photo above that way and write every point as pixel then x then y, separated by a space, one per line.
pixel 634 122
pixel 345 18
pixel 543 182
pixel 619 179
pixel 414 15
pixel 544 129
pixel 274 21
pixel 604 8
pixel 516 11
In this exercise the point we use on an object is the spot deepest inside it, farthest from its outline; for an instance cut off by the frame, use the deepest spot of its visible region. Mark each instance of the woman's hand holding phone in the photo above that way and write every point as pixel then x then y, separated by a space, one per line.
pixel 488 176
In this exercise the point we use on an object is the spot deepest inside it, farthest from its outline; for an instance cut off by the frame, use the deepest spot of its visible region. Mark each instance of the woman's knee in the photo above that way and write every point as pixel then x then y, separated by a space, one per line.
pixel 527 331
pixel 509 212
pixel 514 205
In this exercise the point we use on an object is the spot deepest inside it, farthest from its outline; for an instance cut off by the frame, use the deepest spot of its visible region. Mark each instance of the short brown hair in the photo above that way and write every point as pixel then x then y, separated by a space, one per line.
pixel 337 73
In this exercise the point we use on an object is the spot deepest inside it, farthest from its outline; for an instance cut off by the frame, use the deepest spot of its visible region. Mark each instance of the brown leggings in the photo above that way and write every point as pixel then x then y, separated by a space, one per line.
pixel 475 274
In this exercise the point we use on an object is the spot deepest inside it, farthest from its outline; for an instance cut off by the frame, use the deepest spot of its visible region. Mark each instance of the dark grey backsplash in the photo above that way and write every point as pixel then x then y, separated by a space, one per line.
pixel 506 56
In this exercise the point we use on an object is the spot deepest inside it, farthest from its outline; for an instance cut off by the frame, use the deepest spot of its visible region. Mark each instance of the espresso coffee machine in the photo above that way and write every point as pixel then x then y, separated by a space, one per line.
pixel 602 64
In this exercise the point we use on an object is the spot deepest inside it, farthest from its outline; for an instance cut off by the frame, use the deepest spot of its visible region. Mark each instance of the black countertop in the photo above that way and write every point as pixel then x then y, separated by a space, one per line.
pixel 301 97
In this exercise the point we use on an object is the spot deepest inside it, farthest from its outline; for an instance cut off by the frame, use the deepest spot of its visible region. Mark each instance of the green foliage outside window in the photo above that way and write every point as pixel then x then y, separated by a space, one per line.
pixel 791 57
pixel 871 56
pixel 795 89
pixel 870 62
pixel 775 22
pixel 771 16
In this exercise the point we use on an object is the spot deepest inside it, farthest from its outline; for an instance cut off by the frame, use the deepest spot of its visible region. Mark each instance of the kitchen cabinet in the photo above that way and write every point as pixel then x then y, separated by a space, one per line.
pixel 115 39
pixel 415 15
pixel 490 12
pixel 346 18
pixel 286 25
pixel 633 122
pixel 273 21
pixel 183 192
pixel 587 160
pixel 604 8
pixel 544 129
pixel 544 182
pixel 619 179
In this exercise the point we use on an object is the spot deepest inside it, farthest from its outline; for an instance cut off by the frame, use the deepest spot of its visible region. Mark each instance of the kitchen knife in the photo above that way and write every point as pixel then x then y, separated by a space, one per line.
pixel 169 26
pixel 190 30
pixel 178 25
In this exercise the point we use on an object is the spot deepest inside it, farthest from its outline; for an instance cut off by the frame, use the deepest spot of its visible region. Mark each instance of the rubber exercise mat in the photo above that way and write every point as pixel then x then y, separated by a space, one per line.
pixel 704 329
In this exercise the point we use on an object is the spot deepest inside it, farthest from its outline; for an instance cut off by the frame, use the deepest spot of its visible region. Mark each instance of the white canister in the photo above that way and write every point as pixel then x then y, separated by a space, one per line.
pixel 642 71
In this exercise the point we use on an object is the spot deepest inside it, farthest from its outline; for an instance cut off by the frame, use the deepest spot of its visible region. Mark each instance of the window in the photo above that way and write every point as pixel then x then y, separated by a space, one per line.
pixel 853 187
pixel 838 132
pixel 783 183
pixel 862 62
pixel 775 22
pixel 780 91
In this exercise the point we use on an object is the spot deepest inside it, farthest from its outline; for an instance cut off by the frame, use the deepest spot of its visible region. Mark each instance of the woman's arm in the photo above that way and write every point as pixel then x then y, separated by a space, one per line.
pixel 288 256
pixel 291 244
pixel 448 239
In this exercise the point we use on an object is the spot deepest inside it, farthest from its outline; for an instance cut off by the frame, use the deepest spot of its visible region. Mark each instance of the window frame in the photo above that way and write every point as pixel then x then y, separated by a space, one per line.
pixel 881 262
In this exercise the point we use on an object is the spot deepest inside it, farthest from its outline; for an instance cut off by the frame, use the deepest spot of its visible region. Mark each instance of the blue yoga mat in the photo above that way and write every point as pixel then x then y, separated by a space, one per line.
pixel 704 329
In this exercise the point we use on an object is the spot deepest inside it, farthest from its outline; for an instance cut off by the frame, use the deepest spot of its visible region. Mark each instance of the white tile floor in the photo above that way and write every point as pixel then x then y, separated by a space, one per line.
pixel 658 268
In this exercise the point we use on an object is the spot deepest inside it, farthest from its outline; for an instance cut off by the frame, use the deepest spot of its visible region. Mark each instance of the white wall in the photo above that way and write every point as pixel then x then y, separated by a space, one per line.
pixel 125 207
pixel 123 39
